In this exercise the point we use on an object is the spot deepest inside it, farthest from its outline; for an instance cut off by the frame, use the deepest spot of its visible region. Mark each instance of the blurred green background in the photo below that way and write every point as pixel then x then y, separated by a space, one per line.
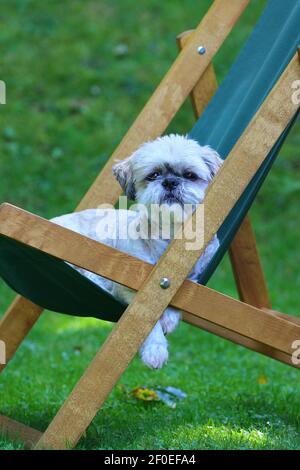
pixel 77 74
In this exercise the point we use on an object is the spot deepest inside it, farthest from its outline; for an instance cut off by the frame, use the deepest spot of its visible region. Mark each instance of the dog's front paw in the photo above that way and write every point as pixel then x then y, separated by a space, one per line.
pixel 154 355
pixel 169 320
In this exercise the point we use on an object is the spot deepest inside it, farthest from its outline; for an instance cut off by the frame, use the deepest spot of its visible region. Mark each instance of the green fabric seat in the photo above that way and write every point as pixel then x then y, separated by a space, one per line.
pixel 54 285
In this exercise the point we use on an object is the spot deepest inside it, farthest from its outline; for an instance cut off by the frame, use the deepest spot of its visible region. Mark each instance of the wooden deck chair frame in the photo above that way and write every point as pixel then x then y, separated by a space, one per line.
pixel 249 322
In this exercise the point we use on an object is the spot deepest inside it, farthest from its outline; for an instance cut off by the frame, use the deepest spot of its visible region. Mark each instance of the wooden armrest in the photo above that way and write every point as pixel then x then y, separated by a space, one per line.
pixel 193 298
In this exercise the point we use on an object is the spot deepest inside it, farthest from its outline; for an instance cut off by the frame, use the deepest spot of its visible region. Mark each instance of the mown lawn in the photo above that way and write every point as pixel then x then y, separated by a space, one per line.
pixel 77 73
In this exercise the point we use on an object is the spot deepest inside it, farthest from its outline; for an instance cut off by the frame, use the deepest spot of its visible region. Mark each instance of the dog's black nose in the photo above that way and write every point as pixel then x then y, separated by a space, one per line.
pixel 170 183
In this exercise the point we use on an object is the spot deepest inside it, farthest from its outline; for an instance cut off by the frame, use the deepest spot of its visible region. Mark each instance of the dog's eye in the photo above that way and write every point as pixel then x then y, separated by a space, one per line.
pixel 153 176
pixel 190 175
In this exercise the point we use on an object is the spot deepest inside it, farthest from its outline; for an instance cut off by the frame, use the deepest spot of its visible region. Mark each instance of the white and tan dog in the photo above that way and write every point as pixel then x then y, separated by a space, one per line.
pixel 172 171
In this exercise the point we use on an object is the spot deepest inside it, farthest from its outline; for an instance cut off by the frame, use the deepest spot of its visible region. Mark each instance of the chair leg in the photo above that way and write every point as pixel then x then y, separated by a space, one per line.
pixel 18 431
pixel 16 324
pixel 247 268
pixel 94 386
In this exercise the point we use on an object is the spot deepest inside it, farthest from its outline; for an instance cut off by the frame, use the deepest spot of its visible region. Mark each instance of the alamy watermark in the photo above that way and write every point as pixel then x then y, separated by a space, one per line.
pixel 2 92
pixel 2 352
pixel 296 353
pixel 152 222
pixel 296 93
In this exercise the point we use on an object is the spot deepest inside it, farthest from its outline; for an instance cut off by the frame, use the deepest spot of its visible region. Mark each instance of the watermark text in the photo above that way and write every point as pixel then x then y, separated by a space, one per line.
pixel 2 92
pixel 2 352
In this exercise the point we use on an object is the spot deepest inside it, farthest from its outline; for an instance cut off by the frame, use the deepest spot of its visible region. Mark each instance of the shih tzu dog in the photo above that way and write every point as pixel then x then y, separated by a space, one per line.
pixel 170 172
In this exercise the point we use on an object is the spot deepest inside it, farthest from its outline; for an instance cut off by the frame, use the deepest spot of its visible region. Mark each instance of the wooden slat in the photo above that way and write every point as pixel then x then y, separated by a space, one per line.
pixel 207 84
pixel 284 316
pixel 244 341
pixel 243 252
pixel 169 95
pixel 150 301
pixel 239 339
pixel 131 272
pixel 65 244
pixel 151 122
pixel 200 301
pixel 206 305
pixel 17 431
pixel 14 325
pixel 247 268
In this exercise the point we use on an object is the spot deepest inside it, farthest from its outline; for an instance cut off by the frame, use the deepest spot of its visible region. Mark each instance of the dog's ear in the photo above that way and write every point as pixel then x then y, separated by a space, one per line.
pixel 122 171
pixel 212 160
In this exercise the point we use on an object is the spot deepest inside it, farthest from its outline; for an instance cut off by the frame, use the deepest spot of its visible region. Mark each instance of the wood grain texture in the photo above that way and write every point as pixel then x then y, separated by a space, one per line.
pixel 285 316
pixel 244 341
pixel 169 95
pixel 247 267
pixel 65 244
pixel 239 339
pixel 207 84
pixel 16 323
pixel 18 431
pixel 150 301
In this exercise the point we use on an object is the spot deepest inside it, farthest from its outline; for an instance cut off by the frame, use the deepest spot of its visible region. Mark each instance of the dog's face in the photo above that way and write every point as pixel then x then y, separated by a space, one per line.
pixel 169 170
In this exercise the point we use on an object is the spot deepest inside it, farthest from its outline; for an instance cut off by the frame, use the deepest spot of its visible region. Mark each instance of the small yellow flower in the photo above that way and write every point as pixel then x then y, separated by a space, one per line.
pixel 145 394
pixel 262 380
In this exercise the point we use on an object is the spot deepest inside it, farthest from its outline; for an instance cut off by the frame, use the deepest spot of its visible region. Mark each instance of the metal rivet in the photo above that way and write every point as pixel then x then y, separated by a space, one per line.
pixel 201 50
pixel 164 283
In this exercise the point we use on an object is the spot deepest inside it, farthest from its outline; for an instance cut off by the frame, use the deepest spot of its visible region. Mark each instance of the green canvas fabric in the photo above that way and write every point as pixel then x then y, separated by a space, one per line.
pixel 262 60
pixel 54 285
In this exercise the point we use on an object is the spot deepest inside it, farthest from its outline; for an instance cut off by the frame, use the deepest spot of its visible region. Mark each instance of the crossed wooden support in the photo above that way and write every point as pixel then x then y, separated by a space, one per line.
pixel 249 322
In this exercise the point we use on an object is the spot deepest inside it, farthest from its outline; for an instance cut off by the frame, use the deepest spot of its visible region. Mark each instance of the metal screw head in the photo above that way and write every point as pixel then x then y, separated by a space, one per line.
pixel 201 50
pixel 164 283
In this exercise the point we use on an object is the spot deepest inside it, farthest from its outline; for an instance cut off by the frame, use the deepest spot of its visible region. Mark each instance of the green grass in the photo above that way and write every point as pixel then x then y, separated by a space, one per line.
pixel 71 97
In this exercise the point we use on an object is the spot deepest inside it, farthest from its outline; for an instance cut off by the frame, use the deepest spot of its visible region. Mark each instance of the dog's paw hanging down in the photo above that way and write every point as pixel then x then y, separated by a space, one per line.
pixel 169 320
pixel 171 172
pixel 154 351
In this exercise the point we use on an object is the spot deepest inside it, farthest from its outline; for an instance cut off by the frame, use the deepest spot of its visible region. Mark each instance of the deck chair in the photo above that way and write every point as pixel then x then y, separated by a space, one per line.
pixel 246 120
